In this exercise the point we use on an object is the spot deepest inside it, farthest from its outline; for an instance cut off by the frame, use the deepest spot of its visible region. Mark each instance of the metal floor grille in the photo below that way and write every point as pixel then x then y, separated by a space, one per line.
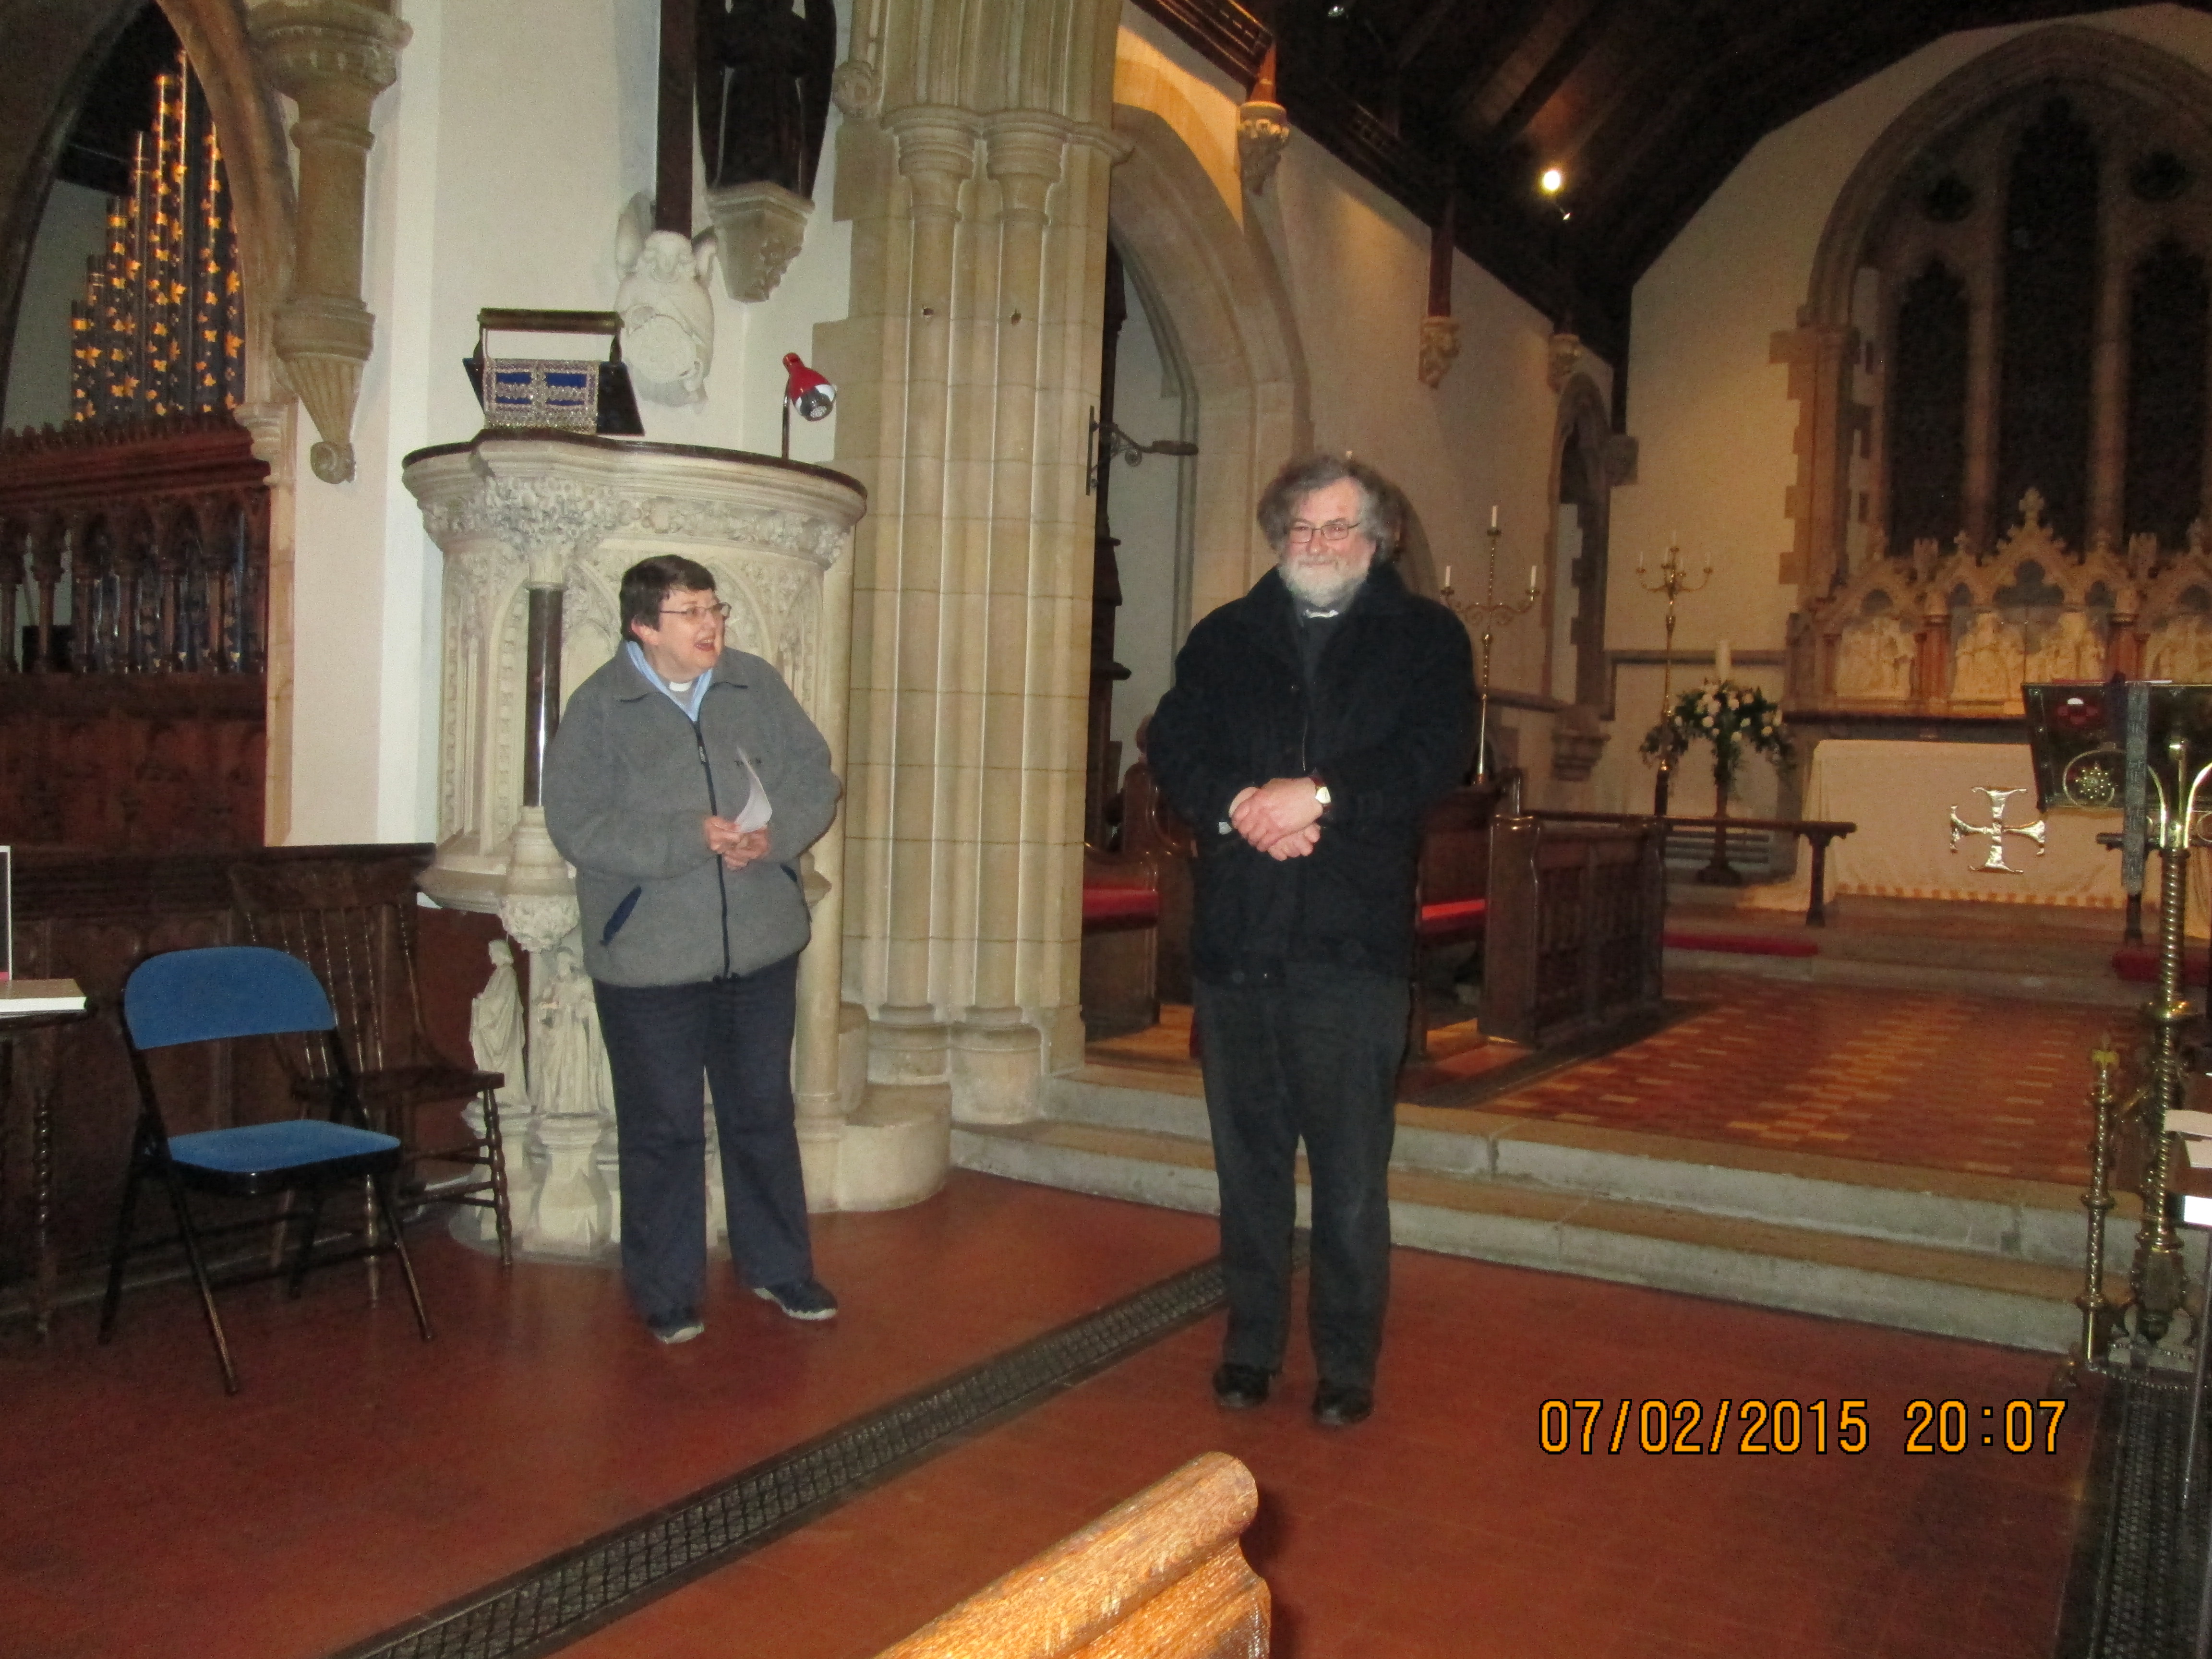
pixel 569 1594
pixel 2140 1581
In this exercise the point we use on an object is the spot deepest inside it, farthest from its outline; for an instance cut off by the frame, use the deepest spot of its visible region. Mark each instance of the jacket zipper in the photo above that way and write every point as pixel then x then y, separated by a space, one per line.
pixel 722 871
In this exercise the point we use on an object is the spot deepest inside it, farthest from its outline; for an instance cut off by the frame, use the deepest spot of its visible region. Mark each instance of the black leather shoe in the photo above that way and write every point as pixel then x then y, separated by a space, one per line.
pixel 1340 1405
pixel 1240 1388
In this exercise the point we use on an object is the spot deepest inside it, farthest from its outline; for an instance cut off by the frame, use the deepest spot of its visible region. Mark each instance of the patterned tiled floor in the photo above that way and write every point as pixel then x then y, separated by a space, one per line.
pixel 1974 1083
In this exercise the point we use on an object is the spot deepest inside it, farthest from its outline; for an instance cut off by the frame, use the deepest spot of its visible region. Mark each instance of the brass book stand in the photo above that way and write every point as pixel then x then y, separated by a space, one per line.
pixel 2145 748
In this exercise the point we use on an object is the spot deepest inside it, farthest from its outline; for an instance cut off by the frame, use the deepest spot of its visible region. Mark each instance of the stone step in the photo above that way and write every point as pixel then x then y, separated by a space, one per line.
pixel 1961 1256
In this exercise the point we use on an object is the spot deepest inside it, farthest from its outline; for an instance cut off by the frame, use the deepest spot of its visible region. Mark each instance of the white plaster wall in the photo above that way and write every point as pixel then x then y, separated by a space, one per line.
pixel 1711 413
pixel 505 154
pixel 73 229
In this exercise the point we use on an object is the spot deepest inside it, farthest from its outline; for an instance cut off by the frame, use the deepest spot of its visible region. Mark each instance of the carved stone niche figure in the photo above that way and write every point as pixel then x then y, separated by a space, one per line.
pixel 668 315
pixel 1990 662
pixel 2072 651
pixel 2180 649
pixel 1874 661
pixel 764 76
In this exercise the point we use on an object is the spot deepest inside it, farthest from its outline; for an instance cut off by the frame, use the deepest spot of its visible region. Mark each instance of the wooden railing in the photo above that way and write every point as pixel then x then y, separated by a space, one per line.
pixel 1162 1575
pixel 1817 832
pixel 134 598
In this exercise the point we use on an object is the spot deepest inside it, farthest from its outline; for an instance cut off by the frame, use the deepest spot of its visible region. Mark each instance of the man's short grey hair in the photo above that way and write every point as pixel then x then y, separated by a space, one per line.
pixel 1382 515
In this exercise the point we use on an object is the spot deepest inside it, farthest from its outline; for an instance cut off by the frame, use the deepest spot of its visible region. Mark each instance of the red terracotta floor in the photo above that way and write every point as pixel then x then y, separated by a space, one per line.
pixel 364 1477
pixel 1974 1083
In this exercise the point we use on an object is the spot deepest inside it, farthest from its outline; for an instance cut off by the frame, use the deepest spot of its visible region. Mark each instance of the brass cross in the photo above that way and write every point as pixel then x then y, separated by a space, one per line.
pixel 1997 830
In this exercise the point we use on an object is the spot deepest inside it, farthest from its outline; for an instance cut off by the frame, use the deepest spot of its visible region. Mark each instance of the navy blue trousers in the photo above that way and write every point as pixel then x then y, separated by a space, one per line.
pixel 1313 1059
pixel 662 1041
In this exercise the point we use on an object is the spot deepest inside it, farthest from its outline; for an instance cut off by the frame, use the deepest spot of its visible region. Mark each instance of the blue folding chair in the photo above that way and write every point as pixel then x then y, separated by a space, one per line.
pixel 235 991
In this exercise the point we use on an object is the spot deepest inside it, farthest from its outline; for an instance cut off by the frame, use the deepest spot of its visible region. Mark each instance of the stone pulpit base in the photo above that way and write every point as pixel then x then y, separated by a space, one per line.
pixel 537 528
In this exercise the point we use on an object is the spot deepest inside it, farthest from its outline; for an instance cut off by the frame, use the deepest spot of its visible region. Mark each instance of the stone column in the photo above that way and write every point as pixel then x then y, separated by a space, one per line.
pixel 331 57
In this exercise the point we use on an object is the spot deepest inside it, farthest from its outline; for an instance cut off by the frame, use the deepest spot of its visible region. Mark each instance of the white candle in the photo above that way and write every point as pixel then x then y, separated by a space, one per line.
pixel 1532 579
pixel 1640 562
pixel 1447 579
pixel 1720 662
pixel 1493 515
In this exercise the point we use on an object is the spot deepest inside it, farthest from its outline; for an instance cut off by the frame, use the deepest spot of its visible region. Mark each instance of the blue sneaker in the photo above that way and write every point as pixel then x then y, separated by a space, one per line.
pixel 675 1327
pixel 802 1298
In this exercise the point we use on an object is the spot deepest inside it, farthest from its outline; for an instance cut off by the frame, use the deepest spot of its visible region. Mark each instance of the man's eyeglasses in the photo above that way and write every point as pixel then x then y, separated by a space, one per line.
pixel 700 613
pixel 1334 533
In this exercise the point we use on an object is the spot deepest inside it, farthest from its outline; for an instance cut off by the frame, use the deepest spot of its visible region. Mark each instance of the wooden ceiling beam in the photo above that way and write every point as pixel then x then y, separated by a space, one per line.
pixel 1517 20
pixel 1564 60
pixel 1424 30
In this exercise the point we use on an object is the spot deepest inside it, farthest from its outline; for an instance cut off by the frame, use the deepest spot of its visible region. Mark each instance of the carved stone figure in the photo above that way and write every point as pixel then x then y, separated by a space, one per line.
pixel 2180 649
pixel 1990 662
pixel 2073 651
pixel 1874 660
pixel 1439 347
pixel 495 1027
pixel 668 315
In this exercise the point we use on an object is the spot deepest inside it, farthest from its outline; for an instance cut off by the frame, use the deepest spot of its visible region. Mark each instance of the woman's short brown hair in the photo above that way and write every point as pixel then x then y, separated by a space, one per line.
pixel 649 582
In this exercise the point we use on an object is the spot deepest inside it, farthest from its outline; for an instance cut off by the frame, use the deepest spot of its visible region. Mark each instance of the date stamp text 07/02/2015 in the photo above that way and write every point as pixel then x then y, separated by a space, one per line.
pixel 1786 1427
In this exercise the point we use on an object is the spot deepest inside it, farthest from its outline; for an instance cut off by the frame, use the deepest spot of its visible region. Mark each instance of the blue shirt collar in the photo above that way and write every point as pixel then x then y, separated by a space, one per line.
pixel 690 704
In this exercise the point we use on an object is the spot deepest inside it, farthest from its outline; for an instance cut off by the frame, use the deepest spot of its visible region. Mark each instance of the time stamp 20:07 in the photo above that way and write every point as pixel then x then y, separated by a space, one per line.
pixel 1768 1427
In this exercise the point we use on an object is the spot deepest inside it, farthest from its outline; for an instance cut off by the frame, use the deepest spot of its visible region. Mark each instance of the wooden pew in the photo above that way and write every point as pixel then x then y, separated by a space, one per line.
pixel 1120 928
pixel 1573 928
pixel 1161 1575
pixel 1452 883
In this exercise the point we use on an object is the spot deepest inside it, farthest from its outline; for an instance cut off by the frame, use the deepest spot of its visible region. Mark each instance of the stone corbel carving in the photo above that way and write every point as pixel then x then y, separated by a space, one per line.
pixel 760 227
pixel 857 88
pixel 1566 357
pixel 331 57
pixel 1439 349
pixel 1263 129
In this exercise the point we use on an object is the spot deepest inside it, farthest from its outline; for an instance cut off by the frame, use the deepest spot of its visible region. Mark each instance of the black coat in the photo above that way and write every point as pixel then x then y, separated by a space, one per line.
pixel 1389 726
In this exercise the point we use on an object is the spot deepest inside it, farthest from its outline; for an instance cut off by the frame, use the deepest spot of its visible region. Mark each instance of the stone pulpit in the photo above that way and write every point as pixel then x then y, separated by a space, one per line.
pixel 537 528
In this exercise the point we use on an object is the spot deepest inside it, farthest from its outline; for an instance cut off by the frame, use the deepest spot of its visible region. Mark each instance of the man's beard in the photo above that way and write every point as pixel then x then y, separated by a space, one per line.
pixel 1321 588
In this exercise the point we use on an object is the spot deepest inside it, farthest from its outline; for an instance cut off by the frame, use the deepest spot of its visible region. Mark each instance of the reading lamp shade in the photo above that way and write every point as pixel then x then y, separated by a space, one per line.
pixel 806 390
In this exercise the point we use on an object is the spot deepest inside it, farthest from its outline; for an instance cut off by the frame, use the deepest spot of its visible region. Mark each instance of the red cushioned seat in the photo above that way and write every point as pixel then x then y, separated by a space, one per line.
pixel 1123 907
pixel 1461 919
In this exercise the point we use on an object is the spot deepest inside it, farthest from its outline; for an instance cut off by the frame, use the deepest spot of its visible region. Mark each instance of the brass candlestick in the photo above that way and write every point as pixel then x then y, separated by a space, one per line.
pixel 1489 613
pixel 1674 581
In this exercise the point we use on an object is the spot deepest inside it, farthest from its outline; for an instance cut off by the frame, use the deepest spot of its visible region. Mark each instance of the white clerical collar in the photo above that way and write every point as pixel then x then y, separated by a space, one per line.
pixel 688 698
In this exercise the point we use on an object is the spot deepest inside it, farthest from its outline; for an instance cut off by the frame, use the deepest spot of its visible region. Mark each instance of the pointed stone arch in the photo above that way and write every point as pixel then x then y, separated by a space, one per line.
pixel 1218 288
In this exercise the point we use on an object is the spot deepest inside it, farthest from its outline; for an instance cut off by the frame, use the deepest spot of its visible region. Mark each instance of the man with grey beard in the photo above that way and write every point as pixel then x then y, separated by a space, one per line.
pixel 1312 724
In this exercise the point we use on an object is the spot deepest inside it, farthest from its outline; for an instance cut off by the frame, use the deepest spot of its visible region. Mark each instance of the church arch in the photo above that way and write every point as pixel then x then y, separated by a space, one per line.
pixel 1216 280
pixel 1906 361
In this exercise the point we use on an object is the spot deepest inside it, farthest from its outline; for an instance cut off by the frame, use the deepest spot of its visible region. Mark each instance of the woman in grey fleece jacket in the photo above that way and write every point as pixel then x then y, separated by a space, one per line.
pixel 683 784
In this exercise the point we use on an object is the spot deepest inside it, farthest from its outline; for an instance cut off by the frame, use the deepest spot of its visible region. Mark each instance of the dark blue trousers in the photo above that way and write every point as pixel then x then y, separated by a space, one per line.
pixel 662 1040
pixel 1313 1059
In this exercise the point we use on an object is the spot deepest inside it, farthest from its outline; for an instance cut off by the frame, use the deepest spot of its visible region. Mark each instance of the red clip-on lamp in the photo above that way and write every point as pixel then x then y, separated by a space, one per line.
pixel 805 390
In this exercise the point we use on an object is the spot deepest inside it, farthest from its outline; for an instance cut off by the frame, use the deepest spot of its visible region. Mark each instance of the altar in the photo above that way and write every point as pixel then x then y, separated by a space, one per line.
pixel 1901 795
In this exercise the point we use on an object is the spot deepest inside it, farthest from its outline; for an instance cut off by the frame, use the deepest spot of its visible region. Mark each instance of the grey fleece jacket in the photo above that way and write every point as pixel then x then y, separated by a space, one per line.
pixel 628 783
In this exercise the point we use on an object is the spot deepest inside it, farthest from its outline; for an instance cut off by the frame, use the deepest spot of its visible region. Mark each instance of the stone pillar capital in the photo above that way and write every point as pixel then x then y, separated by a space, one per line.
pixel 936 150
pixel 318 50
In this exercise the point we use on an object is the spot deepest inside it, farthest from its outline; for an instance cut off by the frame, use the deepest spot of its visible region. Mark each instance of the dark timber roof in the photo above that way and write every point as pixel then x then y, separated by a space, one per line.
pixel 1645 105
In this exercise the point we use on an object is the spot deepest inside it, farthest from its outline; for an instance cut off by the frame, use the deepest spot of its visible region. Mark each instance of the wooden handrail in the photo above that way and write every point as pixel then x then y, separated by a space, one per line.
pixel 1161 1575
pixel 1819 832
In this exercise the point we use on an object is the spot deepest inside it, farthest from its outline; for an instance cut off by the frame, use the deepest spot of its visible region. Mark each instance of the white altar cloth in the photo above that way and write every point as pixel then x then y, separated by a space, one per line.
pixel 1901 796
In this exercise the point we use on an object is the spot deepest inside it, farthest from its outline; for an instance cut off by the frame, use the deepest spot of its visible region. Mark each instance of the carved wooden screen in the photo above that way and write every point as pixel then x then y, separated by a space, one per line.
pixel 1573 939
pixel 139 723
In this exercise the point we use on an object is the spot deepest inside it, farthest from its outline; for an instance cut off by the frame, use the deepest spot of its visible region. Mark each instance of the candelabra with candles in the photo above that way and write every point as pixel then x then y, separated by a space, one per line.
pixel 1674 581
pixel 1489 613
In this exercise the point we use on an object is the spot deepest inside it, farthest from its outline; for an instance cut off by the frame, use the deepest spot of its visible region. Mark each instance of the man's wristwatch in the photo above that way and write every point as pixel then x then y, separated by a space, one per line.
pixel 1321 790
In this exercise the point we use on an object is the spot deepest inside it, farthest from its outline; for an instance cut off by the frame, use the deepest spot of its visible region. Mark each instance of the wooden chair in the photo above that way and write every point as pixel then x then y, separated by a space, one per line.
pixel 209 995
pixel 354 925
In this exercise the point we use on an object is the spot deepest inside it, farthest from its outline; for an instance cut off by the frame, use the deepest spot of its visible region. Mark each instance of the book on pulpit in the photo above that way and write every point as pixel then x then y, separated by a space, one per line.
pixel 39 996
